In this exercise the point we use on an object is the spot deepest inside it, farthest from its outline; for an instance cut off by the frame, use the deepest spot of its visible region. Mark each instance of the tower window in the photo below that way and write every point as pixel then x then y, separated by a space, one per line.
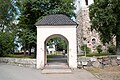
pixel 93 41
pixel 86 1
pixel 84 38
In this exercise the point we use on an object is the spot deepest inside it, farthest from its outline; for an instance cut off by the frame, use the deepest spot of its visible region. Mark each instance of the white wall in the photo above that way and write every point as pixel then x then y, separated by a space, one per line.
pixel 69 32
pixel 81 4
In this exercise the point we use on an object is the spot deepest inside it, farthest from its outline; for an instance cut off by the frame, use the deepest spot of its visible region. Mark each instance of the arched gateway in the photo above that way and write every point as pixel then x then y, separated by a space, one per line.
pixel 56 26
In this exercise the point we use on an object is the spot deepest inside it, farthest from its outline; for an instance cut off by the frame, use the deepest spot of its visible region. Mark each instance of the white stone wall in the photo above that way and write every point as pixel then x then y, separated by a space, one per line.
pixel 19 62
pixel 69 32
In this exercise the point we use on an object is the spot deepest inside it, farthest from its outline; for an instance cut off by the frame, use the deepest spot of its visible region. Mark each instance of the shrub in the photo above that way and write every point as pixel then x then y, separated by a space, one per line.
pixel 111 49
pixel 6 43
pixel 99 49
pixel 85 48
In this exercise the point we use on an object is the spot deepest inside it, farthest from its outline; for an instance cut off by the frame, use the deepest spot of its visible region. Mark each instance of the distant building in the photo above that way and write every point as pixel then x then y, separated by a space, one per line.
pixel 51 49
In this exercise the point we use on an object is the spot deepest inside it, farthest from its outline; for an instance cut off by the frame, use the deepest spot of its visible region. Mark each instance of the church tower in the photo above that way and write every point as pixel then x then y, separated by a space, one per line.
pixel 84 34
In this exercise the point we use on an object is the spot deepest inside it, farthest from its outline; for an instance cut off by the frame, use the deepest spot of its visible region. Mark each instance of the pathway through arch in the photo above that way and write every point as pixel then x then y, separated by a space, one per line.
pixel 57 64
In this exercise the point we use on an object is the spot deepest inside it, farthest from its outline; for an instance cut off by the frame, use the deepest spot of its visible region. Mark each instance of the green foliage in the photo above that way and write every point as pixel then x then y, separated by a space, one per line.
pixel 7 14
pixel 61 45
pixel 33 10
pixel 18 56
pixel 111 49
pixel 59 42
pixel 27 38
pixel 6 43
pixel 85 49
pixel 8 32
pixel 96 54
pixel 104 15
pixel 99 49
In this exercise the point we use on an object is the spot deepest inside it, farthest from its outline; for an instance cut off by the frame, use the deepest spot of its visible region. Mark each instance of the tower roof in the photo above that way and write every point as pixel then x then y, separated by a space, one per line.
pixel 57 19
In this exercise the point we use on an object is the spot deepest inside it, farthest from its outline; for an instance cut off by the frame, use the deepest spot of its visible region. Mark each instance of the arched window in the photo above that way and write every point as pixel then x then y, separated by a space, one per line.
pixel 86 1
pixel 84 38
pixel 93 41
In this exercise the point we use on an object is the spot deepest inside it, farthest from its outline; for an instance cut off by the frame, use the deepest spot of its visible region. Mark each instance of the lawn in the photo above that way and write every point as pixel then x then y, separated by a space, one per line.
pixel 49 56
pixel 19 56
pixel 53 55
pixel 109 73
pixel 96 54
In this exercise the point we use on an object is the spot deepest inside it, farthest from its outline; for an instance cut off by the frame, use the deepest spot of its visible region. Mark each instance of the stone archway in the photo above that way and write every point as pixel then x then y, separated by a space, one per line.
pixel 56 24
pixel 56 36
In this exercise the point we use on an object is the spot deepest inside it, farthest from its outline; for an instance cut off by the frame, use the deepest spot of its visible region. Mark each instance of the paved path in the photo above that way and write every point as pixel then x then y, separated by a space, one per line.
pixel 58 59
pixel 10 72
pixel 56 67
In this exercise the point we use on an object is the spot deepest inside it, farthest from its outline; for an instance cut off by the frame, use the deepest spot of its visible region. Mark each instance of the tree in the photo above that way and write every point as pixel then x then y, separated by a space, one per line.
pixel 33 10
pixel 6 43
pixel 104 15
pixel 27 39
pixel 7 14
pixel 7 28
pixel 59 42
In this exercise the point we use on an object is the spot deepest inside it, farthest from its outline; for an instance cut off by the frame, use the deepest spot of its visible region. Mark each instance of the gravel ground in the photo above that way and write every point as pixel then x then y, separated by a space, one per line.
pixel 11 72
pixel 108 73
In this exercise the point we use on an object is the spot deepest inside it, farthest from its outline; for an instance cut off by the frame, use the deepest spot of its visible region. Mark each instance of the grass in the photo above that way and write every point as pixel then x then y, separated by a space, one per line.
pixel 49 56
pixel 18 56
pixel 108 73
pixel 101 70
pixel 53 55
pixel 96 54
pixel 94 70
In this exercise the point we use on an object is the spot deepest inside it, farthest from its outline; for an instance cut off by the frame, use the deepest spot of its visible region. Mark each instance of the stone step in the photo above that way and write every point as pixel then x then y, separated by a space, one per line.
pixel 56 68
pixel 56 71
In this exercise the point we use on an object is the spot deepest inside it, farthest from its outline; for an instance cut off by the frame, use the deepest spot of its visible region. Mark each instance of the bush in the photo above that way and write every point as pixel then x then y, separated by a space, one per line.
pixel 85 49
pixel 6 43
pixel 99 49
pixel 111 49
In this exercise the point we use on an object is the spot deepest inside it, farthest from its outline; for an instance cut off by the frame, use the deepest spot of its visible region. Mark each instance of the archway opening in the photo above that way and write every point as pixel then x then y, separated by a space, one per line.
pixel 56 49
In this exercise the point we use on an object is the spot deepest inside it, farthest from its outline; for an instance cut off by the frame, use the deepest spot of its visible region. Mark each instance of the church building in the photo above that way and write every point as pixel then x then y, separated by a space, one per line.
pixel 84 33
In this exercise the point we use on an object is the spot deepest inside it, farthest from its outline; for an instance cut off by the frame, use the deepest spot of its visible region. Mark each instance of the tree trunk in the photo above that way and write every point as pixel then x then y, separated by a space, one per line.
pixel 118 45
pixel 29 53
pixel 24 51
pixel 35 51
pixel 24 48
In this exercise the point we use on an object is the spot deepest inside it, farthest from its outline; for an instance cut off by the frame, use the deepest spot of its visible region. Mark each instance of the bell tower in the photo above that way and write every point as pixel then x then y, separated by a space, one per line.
pixel 84 34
